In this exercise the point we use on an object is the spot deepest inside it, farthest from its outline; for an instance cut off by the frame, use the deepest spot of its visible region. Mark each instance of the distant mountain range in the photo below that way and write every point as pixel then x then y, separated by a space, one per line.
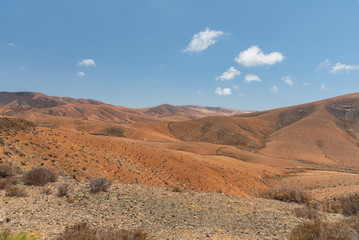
pixel 34 106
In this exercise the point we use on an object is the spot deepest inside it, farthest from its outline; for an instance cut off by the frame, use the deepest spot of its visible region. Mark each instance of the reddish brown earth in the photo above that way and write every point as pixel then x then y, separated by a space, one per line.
pixel 238 155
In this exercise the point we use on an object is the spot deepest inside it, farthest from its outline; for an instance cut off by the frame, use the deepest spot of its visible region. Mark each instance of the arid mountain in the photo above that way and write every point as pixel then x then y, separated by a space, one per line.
pixel 323 132
pixel 39 107
pixel 187 112
pixel 237 155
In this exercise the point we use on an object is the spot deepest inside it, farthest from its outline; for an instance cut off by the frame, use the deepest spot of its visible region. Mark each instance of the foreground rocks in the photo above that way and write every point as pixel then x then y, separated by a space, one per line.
pixel 162 213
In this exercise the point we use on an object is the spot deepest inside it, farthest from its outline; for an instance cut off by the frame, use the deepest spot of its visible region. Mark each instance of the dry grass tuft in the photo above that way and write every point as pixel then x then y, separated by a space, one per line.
pixel 63 190
pixel 15 191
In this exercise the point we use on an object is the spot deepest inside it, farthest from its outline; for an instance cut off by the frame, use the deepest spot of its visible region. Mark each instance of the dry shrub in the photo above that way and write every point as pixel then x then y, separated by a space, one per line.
pixel 306 212
pixel 63 190
pixel 320 230
pixel 348 205
pixel 177 189
pixel 6 170
pixel 8 181
pixel 39 176
pixel 15 191
pixel 84 232
pixel 286 195
pixel 99 184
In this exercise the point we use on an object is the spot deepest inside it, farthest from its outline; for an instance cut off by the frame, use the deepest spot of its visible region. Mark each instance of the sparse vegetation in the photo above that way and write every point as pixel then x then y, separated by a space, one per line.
pixel 319 230
pixel 46 191
pixel 113 131
pixel 6 170
pixel 286 195
pixel 82 231
pixel 99 185
pixel 177 189
pixel 63 190
pixel 8 235
pixel 4 182
pixel 348 205
pixel 306 212
pixel 16 124
pixel 39 176
pixel 15 191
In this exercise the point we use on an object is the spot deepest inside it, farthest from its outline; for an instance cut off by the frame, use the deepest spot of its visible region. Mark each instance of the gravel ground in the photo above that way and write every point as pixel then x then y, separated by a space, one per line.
pixel 162 213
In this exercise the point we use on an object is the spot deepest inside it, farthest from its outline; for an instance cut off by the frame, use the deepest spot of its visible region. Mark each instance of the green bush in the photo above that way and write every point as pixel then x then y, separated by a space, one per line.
pixel 8 235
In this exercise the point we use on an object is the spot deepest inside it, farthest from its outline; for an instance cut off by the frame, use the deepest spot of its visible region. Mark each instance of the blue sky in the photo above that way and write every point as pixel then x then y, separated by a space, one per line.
pixel 248 55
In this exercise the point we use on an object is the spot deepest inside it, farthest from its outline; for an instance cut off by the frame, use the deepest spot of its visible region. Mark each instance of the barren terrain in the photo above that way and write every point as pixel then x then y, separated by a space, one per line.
pixel 312 147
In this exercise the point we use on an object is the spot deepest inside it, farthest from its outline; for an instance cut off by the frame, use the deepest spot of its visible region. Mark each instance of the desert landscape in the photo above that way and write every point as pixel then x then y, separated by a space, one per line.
pixel 179 120
pixel 177 172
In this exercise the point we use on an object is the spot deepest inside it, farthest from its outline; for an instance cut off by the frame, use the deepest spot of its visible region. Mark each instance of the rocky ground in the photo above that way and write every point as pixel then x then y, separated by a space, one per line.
pixel 161 212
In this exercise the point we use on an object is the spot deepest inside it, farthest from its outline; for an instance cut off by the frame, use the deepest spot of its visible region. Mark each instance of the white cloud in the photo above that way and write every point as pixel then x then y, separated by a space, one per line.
pixel 251 78
pixel 274 89
pixel 323 86
pixel 288 80
pixel 12 45
pixel 23 68
pixel 87 63
pixel 199 92
pixel 306 84
pixel 224 91
pixel 339 67
pixel 254 56
pixel 235 87
pixel 241 94
pixel 229 74
pixel 202 40
pixel 81 74
pixel 323 65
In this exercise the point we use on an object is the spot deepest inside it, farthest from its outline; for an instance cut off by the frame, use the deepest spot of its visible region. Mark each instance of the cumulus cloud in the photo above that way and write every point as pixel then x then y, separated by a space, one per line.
pixel 12 45
pixel 235 87
pixel 274 89
pixel 81 74
pixel 254 56
pixel 229 74
pixel 87 63
pixel 339 67
pixel 288 80
pixel 202 40
pixel 306 84
pixel 251 78
pixel 223 92
pixel 323 86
